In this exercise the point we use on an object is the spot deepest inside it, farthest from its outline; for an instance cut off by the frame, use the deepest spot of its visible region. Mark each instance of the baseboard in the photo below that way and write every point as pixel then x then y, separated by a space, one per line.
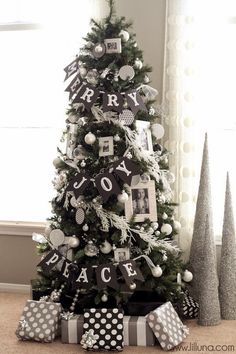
pixel 14 288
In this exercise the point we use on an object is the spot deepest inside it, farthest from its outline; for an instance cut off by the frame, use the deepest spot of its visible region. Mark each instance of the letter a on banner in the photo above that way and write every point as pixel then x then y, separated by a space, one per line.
pixel 106 185
pixel 51 259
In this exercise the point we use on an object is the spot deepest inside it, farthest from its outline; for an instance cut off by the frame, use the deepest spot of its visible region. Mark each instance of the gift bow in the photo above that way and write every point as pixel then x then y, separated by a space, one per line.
pixel 67 315
pixel 88 339
pixel 185 330
pixel 23 324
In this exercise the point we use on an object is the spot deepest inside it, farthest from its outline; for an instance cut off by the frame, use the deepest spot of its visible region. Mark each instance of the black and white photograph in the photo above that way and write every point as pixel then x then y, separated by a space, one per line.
pixel 113 45
pixel 106 146
pixel 142 202
pixel 144 136
pixel 121 254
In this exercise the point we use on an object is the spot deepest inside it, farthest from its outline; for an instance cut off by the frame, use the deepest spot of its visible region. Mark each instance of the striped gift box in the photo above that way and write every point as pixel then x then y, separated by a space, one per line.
pixel 136 331
pixel 72 330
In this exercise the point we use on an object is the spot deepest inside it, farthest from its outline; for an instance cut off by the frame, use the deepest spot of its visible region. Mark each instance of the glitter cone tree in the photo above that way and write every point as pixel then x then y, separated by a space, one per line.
pixel 113 218
pixel 228 261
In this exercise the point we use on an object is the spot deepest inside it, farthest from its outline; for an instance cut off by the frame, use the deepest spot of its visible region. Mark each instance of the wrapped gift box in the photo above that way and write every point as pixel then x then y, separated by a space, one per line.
pixel 137 331
pixel 72 329
pixel 167 326
pixel 103 329
pixel 190 307
pixel 39 321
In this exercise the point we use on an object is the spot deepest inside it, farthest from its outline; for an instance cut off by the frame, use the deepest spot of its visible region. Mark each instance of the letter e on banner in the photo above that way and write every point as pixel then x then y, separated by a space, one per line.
pixel 130 271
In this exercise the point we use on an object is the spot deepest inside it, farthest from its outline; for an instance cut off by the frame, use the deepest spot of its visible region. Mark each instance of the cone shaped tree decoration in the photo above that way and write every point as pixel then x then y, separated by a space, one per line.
pixel 203 208
pixel 209 306
pixel 227 289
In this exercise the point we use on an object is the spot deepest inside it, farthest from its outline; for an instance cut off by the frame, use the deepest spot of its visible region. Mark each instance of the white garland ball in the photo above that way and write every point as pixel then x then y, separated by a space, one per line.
pixel 106 247
pixel 154 225
pixel 90 138
pixel 124 35
pixel 73 242
pixel 57 162
pixel 157 271
pixel 187 276
pixel 138 64
pixel 123 197
pixel 104 298
pixel 166 229
pixel 157 233
pixel 177 225
pixel 157 130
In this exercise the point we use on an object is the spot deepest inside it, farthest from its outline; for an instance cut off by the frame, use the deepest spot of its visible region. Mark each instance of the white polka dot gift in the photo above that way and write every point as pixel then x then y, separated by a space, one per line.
pixel 103 329
pixel 39 321
pixel 167 326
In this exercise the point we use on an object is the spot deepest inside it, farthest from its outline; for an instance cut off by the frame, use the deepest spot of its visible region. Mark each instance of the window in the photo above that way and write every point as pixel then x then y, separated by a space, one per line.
pixel 36 42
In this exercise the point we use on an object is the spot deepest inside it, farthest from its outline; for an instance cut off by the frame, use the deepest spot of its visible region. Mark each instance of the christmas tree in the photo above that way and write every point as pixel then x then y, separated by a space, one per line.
pixel 112 230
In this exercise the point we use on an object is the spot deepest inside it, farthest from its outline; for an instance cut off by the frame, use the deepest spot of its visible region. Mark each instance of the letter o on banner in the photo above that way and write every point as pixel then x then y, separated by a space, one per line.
pixel 106 184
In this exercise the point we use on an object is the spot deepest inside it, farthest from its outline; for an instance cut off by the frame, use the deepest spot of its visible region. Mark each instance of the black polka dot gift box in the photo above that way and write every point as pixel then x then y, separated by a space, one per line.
pixel 167 326
pixel 39 321
pixel 103 329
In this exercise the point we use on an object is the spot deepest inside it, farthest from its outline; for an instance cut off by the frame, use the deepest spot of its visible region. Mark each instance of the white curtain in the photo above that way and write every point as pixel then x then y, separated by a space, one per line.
pixel 198 86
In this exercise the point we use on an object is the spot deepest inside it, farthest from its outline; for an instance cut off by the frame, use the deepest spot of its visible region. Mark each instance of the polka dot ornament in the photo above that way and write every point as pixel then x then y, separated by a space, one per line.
pixel 167 326
pixel 39 321
pixel 107 325
pixel 126 117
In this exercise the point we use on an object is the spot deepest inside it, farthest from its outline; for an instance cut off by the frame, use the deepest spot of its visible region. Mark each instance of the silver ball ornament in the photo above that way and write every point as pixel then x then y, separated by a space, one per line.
pixel 166 229
pixel 116 138
pixel 104 298
pixel 73 242
pixel 157 271
pixel 83 164
pixel 55 296
pixel 73 118
pixel 187 276
pixel 154 225
pixel 123 197
pixel 85 227
pixel 98 48
pixel 57 162
pixel 90 250
pixel 90 138
pixel 138 64
pixel 151 230
pixel 124 35
pixel 132 286
pixel 106 247
pixel 157 233
pixel 82 71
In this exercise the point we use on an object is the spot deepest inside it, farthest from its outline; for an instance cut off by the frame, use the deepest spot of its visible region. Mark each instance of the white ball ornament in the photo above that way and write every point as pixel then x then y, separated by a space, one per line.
pixel 157 130
pixel 104 298
pixel 157 271
pixel 124 35
pixel 151 230
pixel 166 229
pixel 132 286
pixel 85 227
pixel 138 64
pixel 73 118
pixel 177 225
pixel 82 71
pixel 90 138
pixel 106 247
pixel 187 276
pixel 157 233
pixel 123 197
pixel 73 242
pixel 164 216
pixel 116 138
pixel 57 237
pixel 83 164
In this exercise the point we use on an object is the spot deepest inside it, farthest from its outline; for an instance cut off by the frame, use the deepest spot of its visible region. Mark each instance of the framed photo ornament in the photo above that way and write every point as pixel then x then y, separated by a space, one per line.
pixel 144 135
pixel 121 254
pixel 142 202
pixel 113 45
pixel 106 146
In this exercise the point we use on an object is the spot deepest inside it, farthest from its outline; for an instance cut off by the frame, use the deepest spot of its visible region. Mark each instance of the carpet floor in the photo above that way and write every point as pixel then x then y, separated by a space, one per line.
pixel 216 339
